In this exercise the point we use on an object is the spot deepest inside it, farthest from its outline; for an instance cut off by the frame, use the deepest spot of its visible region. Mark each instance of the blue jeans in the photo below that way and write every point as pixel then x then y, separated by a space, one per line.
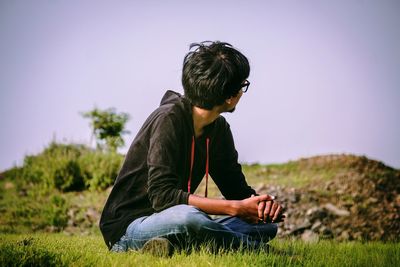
pixel 187 226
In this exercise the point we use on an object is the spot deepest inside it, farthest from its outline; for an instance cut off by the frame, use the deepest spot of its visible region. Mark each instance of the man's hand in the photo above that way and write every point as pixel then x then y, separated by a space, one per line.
pixel 247 209
pixel 252 209
pixel 270 211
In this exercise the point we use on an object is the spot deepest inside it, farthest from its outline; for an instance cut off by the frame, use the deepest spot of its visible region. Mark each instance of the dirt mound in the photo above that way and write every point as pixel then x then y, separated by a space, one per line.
pixel 359 201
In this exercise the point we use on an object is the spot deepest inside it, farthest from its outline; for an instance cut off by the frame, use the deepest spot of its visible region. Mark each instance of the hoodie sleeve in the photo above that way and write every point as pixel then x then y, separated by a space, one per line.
pixel 226 171
pixel 162 159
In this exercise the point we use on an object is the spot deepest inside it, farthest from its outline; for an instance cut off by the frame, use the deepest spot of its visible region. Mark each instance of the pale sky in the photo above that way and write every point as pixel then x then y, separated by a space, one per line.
pixel 324 79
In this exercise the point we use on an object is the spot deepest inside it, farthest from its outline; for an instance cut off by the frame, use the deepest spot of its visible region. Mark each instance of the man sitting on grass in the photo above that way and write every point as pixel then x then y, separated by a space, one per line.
pixel 152 205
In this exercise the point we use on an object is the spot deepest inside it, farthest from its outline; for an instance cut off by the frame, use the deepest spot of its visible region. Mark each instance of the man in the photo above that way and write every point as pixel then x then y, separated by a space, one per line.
pixel 152 205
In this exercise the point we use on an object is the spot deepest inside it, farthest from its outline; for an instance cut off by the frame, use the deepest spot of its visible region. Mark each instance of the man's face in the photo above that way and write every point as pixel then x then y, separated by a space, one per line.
pixel 232 102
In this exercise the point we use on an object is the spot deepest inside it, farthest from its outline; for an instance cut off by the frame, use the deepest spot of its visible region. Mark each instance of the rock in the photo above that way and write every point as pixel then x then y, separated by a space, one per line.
pixel 309 237
pixel 328 185
pixel 316 213
pixel 51 229
pixel 326 232
pixel 372 200
pixel 344 236
pixel 294 196
pixel 358 236
pixel 8 185
pixel 354 209
pixel 92 215
pixel 316 225
pixel 23 192
pixel 397 201
pixel 289 226
pixel 299 229
pixel 71 217
pixel 335 210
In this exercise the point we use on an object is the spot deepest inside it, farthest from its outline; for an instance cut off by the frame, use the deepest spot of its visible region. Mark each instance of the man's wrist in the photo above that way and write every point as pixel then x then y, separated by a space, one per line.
pixel 233 207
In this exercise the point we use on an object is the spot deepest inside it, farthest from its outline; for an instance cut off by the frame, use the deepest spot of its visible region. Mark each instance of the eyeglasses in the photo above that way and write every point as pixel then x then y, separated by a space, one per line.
pixel 245 86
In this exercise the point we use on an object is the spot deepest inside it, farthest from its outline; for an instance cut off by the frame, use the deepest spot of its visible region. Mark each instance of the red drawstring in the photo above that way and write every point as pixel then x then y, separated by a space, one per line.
pixel 192 162
pixel 207 142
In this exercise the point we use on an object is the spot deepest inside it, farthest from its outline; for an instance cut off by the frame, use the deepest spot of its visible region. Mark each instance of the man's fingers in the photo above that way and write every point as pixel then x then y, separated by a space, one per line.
pixel 277 213
pixel 265 198
pixel 280 218
pixel 273 210
pixel 261 207
pixel 267 209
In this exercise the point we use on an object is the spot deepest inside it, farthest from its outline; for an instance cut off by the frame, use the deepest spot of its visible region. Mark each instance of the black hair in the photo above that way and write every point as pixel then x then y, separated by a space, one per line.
pixel 212 73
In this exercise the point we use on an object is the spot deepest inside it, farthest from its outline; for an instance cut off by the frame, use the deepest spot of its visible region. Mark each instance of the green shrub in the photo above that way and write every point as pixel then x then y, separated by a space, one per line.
pixel 34 213
pixel 68 177
pixel 55 167
pixel 55 212
pixel 100 169
pixel 68 167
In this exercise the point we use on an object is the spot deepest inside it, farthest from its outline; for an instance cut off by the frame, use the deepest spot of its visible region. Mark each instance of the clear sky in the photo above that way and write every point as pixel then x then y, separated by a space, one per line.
pixel 325 74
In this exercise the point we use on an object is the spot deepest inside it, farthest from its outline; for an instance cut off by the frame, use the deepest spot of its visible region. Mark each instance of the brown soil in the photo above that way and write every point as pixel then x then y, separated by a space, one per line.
pixel 360 202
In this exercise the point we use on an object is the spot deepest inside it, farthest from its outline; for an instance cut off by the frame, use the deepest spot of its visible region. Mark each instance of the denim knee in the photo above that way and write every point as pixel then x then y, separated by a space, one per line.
pixel 191 219
pixel 273 230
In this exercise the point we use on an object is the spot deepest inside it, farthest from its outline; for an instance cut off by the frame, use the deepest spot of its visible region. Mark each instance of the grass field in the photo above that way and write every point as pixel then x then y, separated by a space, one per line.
pixel 30 214
pixel 62 250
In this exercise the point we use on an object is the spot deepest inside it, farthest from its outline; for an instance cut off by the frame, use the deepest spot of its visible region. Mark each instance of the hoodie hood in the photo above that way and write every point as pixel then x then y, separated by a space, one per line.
pixel 170 97
pixel 176 100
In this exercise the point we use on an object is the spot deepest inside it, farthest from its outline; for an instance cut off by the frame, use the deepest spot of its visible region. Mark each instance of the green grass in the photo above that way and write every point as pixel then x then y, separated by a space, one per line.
pixel 35 210
pixel 26 207
pixel 293 174
pixel 62 250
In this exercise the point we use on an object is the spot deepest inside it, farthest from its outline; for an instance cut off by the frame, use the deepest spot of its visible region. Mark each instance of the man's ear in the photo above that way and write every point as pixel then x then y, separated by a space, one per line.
pixel 229 101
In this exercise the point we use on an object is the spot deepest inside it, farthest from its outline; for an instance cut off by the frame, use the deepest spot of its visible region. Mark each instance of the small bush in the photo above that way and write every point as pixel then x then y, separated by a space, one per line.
pixel 100 169
pixel 56 213
pixel 35 213
pixel 55 167
pixel 68 177
pixel 68 167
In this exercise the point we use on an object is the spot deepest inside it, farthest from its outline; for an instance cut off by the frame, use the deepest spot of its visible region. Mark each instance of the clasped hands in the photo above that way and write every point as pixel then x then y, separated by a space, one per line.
pixel 269 211
pixel 260 209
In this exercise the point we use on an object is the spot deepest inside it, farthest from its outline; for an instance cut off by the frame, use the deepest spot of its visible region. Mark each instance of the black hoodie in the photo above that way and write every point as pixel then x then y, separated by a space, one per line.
pixel 156 169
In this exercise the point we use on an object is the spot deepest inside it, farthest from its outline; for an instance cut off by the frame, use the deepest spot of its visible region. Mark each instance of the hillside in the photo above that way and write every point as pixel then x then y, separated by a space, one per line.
pixel 343 197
